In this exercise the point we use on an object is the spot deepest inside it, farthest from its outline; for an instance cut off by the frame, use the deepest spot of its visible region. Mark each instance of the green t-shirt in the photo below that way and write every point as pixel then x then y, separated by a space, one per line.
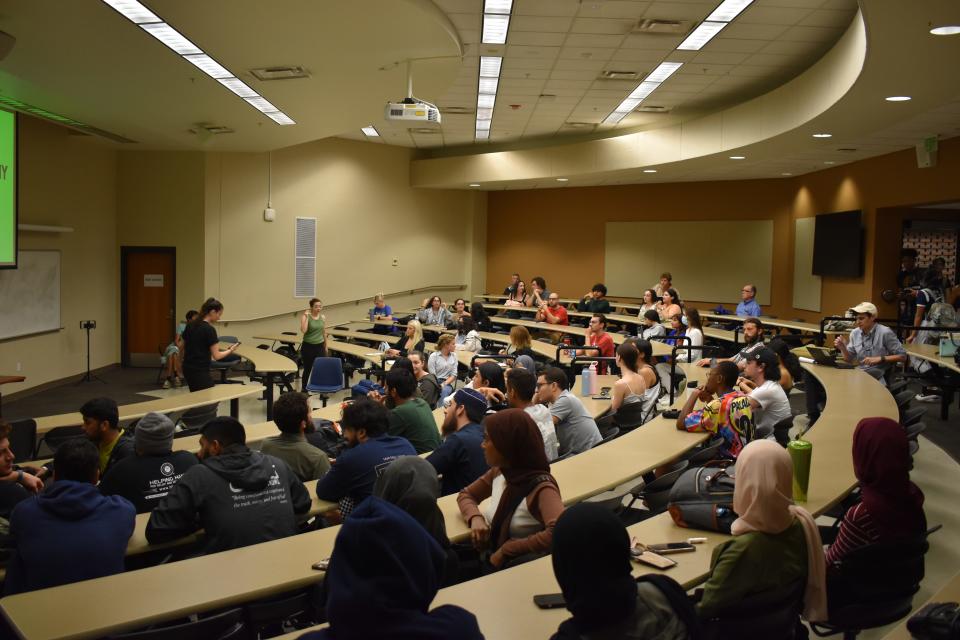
pixel 414 421
pixel 314 334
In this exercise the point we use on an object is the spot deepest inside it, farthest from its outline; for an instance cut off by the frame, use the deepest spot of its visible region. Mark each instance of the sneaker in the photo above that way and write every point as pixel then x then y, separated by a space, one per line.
pixel 929 398
pixel 178 382
pixel 166 383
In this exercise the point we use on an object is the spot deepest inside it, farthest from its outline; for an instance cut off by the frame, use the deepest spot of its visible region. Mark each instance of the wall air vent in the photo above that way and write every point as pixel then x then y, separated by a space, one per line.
pixel 611 74
pixel 279 73
pixel 655 27
pixel 423 130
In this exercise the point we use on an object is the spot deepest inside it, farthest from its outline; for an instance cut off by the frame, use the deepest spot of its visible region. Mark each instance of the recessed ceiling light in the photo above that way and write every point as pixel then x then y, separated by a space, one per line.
pixel 482 134
pixel 474 184
pixel 495 28
pixel 663 71
pixel 946 30
pixel 785 173
pixel 488 85
pixel 280 117
pixel 563 179
pixel 370 132
pixel 261 104
pixel 486 101
pixel 649 170
pixel 823 135
pixel 700 36
pixel 497 6
pixel 738 157
pixel 490 66
pixel 897 98
pixel 828 162
pixel 728 10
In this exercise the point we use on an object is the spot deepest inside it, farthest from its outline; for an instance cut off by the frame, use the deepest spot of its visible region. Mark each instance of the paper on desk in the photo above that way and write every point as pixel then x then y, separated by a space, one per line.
pixel 805 359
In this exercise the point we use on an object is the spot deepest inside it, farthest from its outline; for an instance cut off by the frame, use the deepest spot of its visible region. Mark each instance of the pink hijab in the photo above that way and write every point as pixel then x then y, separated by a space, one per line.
pixel 763 499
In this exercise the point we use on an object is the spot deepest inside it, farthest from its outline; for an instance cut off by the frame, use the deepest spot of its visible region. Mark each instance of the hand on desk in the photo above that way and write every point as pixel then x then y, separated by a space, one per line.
pixel 703 362
pixel 479 532
pixel 872 360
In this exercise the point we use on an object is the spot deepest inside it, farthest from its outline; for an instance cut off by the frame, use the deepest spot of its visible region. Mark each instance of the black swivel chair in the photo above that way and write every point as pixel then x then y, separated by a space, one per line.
pixel 222 626
pixel 762 616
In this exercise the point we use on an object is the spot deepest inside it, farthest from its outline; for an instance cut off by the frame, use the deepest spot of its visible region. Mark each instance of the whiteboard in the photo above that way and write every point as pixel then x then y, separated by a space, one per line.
pixel 710 260
pixel 806 286
pixel 30 295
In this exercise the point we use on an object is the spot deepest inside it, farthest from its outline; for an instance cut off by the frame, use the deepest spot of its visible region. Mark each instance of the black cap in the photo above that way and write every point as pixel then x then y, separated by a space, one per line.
pixel 767 357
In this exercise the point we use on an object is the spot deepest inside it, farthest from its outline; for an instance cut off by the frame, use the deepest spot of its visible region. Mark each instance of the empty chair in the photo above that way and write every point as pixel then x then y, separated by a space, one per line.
pixel 912 416
pixel 326 377
pixel 915 429
pixel 656 495
pixel 23 438
pixel 57 436
pixel 903 399
pixel 896 387
pixel 222 626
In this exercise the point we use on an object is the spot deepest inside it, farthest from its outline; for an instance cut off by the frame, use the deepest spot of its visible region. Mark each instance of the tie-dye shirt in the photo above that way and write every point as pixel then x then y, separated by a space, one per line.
pixel 730 416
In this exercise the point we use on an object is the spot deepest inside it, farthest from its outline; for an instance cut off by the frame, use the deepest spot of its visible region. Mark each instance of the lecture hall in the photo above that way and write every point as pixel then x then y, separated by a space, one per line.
pixel 504 319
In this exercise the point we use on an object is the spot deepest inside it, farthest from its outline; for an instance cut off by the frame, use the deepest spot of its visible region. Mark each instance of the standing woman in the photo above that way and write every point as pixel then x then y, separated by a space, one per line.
pixel 201 345
pixel 313 326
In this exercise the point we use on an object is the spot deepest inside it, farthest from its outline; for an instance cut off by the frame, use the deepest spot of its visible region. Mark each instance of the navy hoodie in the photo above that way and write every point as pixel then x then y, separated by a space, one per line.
pixel 239 497
pixel 68 533
pixel 384 573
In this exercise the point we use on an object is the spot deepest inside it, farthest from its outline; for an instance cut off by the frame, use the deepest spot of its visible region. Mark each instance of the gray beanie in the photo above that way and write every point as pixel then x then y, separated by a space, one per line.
pixel 153 435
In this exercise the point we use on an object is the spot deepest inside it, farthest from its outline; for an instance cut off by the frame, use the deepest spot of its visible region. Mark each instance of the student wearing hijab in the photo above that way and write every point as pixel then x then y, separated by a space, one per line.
pixel 591 560
pixel 411 483
pixel 775 542
pixel 384 573
pixel 891 507
pixel 525 501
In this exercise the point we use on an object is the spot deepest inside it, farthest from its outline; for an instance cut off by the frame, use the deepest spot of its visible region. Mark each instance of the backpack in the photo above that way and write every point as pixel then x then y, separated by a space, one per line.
pixel 702 498
pixel 326 438
pixel 941 314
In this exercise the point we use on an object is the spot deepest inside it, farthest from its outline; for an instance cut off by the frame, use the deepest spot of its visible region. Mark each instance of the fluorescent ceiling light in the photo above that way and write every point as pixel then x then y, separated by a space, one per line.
pixel 786 174
pixel 485 101
pixel 133 11
pixel 370 132
pixel 280 118
pixel 490 66
pixel 495 28
pixel 482 134
pixel 615 117
pixel 701 36
pixel 498 6
pixel 261 105
pixel 643 90
pixel 209 66
pixel 738 157
pixel 823 135
pixel 238 86
pixel 728 10
pixel 629 104
pixel 483 125
pixel 484 114
pixel 649 170
pixel 563 179
pixel 474 184
pixel 663 71
pixel 897 98
pixel 946 30
pixel 488 85
pixel 171 38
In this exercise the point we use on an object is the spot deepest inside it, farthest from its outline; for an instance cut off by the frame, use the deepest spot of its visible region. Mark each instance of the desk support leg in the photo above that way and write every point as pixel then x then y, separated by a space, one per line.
pixel 235 408
pixel 269 393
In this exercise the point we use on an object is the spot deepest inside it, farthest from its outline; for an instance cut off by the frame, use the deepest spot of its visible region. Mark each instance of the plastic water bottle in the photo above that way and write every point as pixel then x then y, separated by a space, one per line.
pixel 585 384
pixel 594 380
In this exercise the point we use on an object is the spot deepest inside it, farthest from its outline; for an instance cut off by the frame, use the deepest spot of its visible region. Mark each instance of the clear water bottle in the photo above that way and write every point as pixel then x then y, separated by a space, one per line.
pixel 585 384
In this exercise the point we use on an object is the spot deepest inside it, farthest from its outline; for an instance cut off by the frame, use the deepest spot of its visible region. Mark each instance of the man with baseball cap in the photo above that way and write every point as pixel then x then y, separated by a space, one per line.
pixel 146 477
pixel 459 458
pixel 873 346
pixel 761 383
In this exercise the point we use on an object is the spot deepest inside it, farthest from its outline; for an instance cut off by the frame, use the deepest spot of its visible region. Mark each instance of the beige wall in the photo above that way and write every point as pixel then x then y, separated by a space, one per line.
pixel 160 203
pixel 68 180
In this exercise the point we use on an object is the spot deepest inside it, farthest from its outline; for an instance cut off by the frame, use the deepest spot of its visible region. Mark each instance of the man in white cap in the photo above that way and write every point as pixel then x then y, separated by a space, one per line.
pixel 146 477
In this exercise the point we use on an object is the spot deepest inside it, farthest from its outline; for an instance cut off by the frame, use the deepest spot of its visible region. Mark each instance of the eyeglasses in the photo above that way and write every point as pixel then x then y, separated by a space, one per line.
pixel 542 384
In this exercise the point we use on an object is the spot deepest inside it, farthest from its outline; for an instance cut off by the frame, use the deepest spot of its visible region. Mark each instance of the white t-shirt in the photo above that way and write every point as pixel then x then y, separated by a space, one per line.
pixel 696 340
pixel 544 419
pixel 774 405
pixel 522 524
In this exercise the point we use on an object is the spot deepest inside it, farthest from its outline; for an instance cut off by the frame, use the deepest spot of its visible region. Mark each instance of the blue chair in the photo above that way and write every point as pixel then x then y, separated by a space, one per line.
pixel 326 377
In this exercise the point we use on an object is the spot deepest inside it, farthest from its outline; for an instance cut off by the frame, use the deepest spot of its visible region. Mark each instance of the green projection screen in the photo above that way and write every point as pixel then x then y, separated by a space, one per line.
pixel 8 190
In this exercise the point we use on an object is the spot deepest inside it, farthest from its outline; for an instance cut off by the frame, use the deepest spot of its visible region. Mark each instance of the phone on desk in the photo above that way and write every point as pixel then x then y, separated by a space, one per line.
pixel 549 600
pixel 323 565
pixel 604 394
pixel 671 547
pixel 671 414
pixel 642 554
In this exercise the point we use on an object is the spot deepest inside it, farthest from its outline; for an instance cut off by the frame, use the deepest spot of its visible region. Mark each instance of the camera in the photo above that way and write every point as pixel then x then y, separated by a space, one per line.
pixel 88 324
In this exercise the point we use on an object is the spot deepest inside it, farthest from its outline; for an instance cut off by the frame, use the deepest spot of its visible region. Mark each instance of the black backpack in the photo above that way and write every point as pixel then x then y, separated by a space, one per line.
pixel 326 438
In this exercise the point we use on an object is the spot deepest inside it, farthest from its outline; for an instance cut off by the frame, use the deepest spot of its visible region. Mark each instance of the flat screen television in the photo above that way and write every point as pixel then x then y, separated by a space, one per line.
pixel 838 245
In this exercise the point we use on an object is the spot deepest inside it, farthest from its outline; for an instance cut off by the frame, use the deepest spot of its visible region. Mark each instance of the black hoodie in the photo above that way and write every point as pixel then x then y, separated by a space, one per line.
pixel 240 497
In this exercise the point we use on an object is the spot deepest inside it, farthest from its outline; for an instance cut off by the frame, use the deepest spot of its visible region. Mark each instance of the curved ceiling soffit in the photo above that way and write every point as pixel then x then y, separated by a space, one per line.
pixel 780 111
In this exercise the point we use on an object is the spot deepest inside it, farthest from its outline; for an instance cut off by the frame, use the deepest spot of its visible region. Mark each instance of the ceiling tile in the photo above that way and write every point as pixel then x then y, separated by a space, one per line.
pixel 734 45
pixel 680 11
pixel 850 5
pixel 459 6
pixel 601 25
pixel 647 41
pixel 754 31
pixel 530 63
pixel 543 7
pixel 828 18
pixel 719 57
pixel 749 71
pixel 521 52
pixel 526 85
pixel 593 40
pixel 638 55
pixel 535 38
pixel 759 14
pixel 812 34
pixel 794 48
pixel 536 23
pixel 800 4
pixel 552 85
pixel 613 9
pixel 580 65
pixel 585 53
pixel 772 60
pixel 525 74
pixel 573 74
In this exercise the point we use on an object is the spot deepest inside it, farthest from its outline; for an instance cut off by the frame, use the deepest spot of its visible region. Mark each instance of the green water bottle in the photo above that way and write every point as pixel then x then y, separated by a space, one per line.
pixel 800 452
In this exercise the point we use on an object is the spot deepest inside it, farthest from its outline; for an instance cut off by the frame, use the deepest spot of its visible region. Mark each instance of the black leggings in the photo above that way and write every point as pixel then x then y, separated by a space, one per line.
pixel 198 379
pixel 308 352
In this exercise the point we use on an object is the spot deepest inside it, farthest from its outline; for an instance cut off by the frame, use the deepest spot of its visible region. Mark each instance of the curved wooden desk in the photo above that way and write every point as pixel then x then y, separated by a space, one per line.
pixel 271 365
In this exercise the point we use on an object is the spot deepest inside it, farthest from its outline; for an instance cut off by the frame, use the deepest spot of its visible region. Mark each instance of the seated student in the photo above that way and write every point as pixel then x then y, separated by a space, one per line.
pixel 727 411
pixel 891 507
pixel 459 458
pixel 539 294
pixel 774 544
pixel 932 291
pixel 434 312
pixel 443 364
pixel 237 496
pixel 101 424
pixel 517 521
pixel 480 317
pixel 576 429
pixel 384 573
pixel 459 311
pixel 631 388
pixel 694 331
pixel 427 383
pixel 594 301
pixel 381 311
pixel 748 307
pixel 597 336
pixel 370 450
pixel 677 330
pixel 146 477
pixel 172 358
pixel 651 327
pixel 512 287
pixel 411 483
pixel 790 370
pixel 16 483
pixel 488 379
pixel 467 337
pixel 665 284
pixel 761 383
pixel 411 417
pixel 591 561
pixel 521 388
pixel 520 343
pixel 552 311
pixel 411 340
pixel 517 298
pixel 646 369
pixel 669 305
pixel 70 532
pixel 291 414
pixel 752 341
pixel 650 299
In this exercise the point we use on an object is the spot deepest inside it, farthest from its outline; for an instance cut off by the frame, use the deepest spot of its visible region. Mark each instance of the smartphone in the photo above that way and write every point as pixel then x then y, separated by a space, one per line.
pixel 549 601
pixel 671 547
pixel 671 414
pixel 321 566
pixel 651 558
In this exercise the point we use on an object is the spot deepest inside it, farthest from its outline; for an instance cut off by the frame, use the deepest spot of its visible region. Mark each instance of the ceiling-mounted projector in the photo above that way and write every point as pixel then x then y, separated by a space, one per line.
pixel 412 110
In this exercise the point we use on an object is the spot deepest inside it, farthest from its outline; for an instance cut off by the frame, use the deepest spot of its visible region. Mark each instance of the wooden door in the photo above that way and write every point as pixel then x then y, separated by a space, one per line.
pixel 148 303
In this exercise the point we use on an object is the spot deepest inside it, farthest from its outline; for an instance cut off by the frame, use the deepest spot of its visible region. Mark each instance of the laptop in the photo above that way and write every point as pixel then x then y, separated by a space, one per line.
pixel 824 357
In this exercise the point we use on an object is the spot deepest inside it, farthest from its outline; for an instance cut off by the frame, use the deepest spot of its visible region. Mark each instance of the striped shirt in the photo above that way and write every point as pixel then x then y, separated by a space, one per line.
pixel 857 530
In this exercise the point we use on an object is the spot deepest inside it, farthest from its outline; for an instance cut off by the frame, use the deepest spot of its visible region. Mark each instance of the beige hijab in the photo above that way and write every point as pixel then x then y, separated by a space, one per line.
pixel 762 498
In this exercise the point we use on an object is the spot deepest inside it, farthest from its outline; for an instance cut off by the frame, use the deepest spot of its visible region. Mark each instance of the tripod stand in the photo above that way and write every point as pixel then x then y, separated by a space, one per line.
pixel 89 325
